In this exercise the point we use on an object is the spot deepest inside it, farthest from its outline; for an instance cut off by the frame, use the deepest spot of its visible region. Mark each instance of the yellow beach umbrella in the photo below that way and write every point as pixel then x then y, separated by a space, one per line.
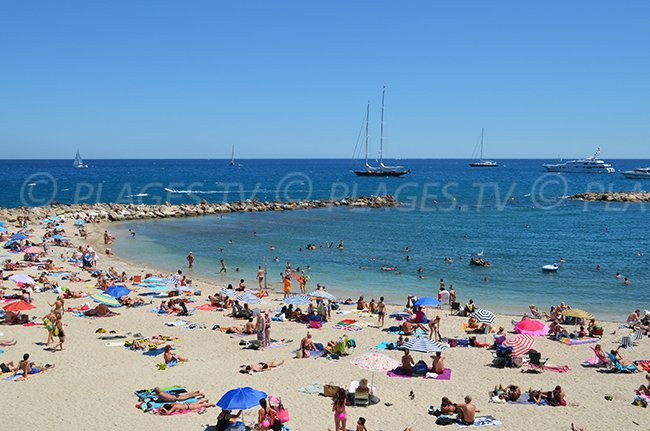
pixel 580 314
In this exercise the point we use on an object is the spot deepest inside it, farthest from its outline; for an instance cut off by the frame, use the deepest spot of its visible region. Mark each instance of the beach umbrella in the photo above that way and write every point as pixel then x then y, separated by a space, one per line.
pixel 153 280
pixel 117 291
pixel 33 250
pixel 423 345
pixel 181 289
pixel 578 313
pixel 321 294
pixel 105 299
pixel 427 301
pixel 241 399
pixel 228 292
pixel 58 236
pixel 520 344
pixel 248 298
pixel 375 361
pixel 2 223
pixel 400 315
pixel 297 300
pixel 19 236
pixel 59 227
pixel 3 229
pixel 79 222
pixel 484 316
pixel 18 306
pixel 532 327
pixel 22 278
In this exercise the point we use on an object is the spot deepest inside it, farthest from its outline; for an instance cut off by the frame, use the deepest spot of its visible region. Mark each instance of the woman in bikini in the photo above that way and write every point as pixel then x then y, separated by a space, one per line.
pixel 265 416
pixel 171 408
pixel 338 407
pixel 260 366
pixel 170 358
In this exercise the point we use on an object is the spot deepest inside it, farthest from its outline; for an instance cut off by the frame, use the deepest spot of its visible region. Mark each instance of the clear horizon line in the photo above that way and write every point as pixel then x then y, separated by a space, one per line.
pixel 227 159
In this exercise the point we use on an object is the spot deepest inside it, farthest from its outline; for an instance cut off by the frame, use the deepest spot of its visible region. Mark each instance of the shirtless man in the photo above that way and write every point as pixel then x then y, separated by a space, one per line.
pixel 438 365
pixel 361 304
pixel 407 328
pixel 306 345
pixel 381 312
pixel 466 411
pixel 166 397
pixel 407 362
pixel 260 277
pixel 434 329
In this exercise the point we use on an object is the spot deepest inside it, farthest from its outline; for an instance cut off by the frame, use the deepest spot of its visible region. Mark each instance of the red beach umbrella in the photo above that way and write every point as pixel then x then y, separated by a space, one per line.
pixel 520 344
pixel 18 306
pixel 532 327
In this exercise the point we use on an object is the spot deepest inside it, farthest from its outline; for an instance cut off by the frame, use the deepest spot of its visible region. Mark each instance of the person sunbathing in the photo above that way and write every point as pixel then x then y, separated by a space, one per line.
pixel 166 397
pixel 307 345
pixel 74 294
pixel 472 323
pixel 407 328
pixel 7 343
pixel 144 343
pixel 101 310
pixel 131 302
pixel 623 362
pixel 466 411
pixel 645 389
pixel 170 358
pixel 407 362
pixel 556 397
pixel 535 396
pixel 260 366
pixel 438 365
pixel 447 407
pixel 171 408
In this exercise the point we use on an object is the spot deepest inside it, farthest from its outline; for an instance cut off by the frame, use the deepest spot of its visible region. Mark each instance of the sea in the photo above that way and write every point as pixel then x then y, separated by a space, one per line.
pixel 515 216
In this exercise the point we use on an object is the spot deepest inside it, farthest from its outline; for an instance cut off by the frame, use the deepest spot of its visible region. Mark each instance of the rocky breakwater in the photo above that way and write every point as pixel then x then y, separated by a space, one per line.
pixel 120 212
pixel 612 197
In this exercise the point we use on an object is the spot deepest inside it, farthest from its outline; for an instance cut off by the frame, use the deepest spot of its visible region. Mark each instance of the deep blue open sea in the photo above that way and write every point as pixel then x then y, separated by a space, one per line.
pixel 515 215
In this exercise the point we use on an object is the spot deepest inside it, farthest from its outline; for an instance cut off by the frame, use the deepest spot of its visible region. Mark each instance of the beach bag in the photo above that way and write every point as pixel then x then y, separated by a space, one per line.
pixel 420 368
pixel 445 420
pixel 283 414
pixel 330 390
pixel 453 342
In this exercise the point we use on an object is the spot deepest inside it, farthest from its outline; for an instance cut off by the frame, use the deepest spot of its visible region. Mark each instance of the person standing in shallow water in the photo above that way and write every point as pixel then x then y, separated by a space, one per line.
pixel 190 260
pixel 223 266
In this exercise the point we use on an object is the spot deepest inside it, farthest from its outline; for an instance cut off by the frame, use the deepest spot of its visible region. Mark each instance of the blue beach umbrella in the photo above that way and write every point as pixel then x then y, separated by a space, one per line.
pixel 58 236
pixel 79 222
pixel 3 229
pixel 105 299
pixel 19 236
pixel 117 291
pixel 2 223
pixel 427 301
pixel 297 300
pixel 241 399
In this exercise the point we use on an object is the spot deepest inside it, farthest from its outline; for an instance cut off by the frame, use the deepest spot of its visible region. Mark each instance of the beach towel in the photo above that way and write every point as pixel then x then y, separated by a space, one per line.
pixel 207 307
pixel 34 323
pixel 386 345
pixel 19 377
pixel 572 341
pixel 645 364
pixel 480 421
pixel 314 388
pixel 399 372
pixel 556 369
pixel 145 394
pixel 396 330
pixel 179 322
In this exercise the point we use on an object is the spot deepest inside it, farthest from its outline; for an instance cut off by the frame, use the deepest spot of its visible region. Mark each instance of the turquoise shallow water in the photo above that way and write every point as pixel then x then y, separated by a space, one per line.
pixel 517 241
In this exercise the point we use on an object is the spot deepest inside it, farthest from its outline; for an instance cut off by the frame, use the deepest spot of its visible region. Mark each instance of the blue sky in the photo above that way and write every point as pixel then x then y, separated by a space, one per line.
pixel 157 78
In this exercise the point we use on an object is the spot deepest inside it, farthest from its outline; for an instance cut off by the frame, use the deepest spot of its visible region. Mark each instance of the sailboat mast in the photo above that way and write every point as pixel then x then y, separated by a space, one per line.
pixel 482 143
pixel 367 132
pixel 381 137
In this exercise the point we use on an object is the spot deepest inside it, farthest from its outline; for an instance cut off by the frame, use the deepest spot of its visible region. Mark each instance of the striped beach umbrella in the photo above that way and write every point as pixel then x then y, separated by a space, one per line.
pixel 520 344
pixel 22 278
pixel 484 316
pixel 321 294
pixel 375 361
pixel 423 345
pixel 105 299
pixel 297 300
pixel 248 298
pixel 400 315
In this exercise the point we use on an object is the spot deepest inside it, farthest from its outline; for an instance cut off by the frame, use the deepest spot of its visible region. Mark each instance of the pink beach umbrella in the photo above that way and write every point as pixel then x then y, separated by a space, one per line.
pixel 532 327
pixel 520 344
pixel 33 250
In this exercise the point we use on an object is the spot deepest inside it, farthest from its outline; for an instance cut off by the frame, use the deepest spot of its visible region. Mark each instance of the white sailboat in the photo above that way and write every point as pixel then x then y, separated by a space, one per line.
pixel 232 156
pixel 483 163
pixel 381 170
pixel 78 163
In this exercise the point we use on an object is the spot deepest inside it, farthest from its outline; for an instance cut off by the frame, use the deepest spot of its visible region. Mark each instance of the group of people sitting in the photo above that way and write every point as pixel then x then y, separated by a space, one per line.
pixel 512 393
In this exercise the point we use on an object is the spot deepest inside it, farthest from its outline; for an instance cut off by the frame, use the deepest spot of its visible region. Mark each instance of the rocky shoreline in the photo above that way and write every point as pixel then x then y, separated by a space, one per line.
pixel 121 212
pixel 612 197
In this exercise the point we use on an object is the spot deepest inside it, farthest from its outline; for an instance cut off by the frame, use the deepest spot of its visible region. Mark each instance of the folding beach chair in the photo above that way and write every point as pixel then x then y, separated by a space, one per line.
pixel 618 367
pixel 626 342
pixel 637 336
pixel 361 398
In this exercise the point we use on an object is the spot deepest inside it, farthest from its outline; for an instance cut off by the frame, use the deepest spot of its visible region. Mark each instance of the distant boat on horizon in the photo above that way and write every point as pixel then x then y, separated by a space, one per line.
pixel 381 170
pixel 638 173
pixel 78 162
pixel 589 165
pixel 232 156
pixel 483 163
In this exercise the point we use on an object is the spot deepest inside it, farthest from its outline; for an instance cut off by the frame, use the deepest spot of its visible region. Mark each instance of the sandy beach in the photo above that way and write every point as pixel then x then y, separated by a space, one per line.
pixel 92 384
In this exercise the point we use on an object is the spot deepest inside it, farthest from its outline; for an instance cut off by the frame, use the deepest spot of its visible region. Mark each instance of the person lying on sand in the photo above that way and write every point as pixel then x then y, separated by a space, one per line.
pixel 168 409
pixel 101 310
pixel 248 328
pixel 166 397
pixel 7 343
pixel 74 294
pixel 260 366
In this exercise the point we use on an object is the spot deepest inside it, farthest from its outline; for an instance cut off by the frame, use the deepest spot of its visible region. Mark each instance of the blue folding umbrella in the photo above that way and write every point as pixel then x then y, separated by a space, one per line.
pixel 241 399
pixel 19 236
pixel 79 222
pixel 297 300
pixel 117 291
pixel 427 301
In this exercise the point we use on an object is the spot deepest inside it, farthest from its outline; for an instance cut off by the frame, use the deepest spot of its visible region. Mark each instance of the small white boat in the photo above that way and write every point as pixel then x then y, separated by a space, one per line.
pixel 550 268
pixel 78 163
pixel 638 173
